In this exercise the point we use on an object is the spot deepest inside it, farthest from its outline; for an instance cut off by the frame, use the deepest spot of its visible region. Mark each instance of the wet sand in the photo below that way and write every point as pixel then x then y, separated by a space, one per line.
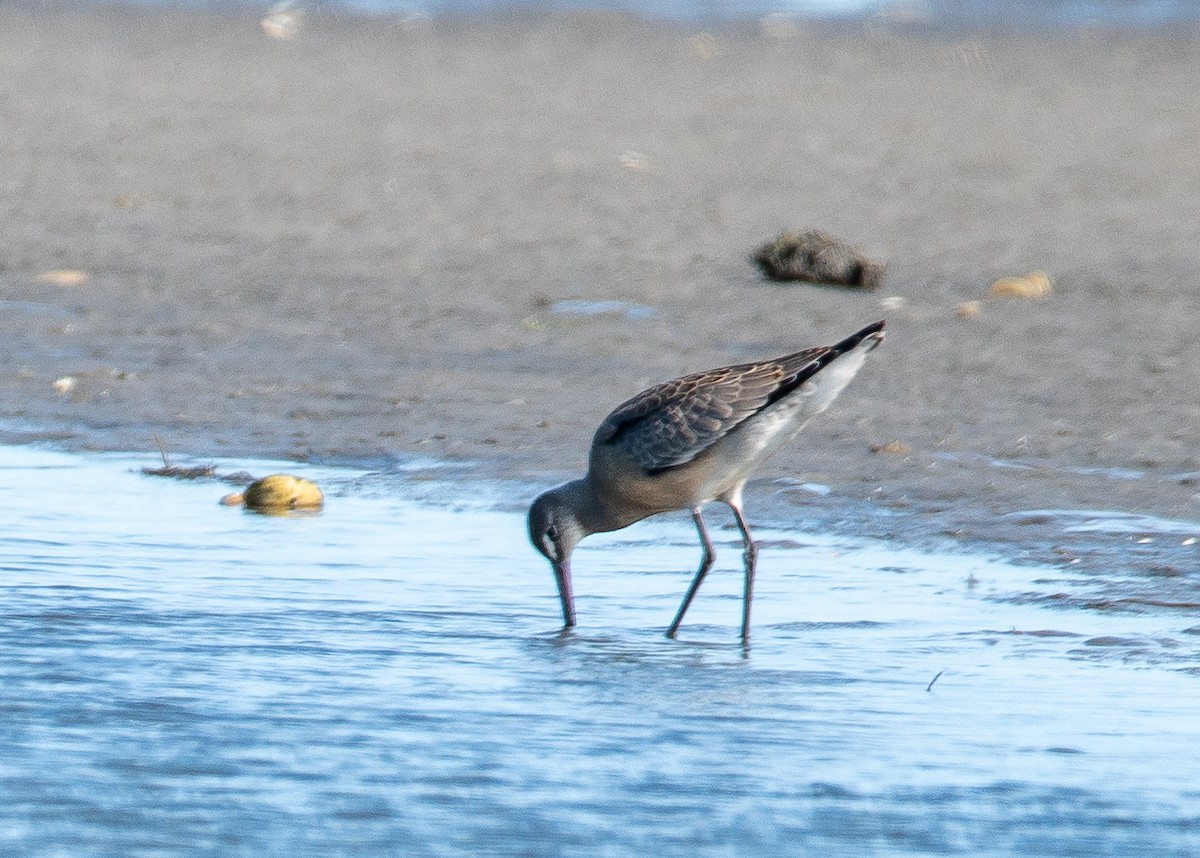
pixel 349 245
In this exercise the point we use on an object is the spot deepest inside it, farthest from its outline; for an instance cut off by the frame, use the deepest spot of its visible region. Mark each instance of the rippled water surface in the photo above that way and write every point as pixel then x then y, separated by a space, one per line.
pixel 386 678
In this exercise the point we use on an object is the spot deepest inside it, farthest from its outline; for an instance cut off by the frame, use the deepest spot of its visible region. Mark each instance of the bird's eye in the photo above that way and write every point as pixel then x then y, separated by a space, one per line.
pixel 552 533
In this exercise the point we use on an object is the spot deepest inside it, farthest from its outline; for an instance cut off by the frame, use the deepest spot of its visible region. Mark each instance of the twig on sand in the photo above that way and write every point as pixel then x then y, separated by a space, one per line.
pixel 199 472
pixel 162 451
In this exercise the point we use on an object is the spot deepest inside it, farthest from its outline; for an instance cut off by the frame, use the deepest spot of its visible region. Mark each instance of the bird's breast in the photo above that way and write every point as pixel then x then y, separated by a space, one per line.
pixel 622 483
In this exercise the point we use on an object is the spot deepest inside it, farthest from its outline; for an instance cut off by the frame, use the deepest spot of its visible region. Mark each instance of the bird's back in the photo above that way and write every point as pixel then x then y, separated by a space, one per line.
pixel 694 438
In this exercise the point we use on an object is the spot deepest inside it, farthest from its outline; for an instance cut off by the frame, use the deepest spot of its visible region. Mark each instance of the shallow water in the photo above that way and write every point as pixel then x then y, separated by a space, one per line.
pixel 386 677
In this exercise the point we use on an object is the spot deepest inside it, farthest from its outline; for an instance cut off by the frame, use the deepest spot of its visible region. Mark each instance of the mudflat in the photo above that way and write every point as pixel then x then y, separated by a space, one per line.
pixel 470 238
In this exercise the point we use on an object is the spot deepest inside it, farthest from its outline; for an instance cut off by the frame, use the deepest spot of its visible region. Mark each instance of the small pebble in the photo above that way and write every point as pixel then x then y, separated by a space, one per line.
pixel 1035 284
pixel 635 161
pixel 283 21
pixel 967 310
pixel 63 277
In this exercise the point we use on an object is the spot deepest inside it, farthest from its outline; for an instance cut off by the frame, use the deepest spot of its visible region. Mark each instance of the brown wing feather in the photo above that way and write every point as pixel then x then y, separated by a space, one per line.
pixel 675 421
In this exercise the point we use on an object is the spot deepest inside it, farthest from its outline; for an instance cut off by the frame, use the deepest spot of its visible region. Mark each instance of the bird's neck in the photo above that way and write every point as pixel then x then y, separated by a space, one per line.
pixel 595 512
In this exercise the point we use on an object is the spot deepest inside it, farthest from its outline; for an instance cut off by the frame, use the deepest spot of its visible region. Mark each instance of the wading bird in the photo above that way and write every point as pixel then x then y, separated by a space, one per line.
pixel 689 441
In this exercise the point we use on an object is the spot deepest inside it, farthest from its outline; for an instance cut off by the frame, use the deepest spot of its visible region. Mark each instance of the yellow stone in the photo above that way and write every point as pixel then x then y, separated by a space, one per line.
pixel 281 492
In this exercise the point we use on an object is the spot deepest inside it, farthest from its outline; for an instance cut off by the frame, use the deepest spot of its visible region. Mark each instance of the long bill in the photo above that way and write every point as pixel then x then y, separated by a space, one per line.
pixel 562 574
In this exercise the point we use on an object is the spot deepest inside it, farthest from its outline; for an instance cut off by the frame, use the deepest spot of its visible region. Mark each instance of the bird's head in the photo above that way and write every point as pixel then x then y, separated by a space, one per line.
pixel 554 530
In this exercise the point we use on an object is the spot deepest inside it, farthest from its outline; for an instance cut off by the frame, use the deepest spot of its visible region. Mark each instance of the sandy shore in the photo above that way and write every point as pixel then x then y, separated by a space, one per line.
pixel 350 244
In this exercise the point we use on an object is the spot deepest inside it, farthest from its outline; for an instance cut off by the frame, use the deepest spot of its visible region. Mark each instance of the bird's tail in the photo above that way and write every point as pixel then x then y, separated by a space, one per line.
pixel 872 334
pixel 831 368
pixel 803 366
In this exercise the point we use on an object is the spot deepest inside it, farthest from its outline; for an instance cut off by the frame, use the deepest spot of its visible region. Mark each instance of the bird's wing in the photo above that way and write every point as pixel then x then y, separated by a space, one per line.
pixel 675 421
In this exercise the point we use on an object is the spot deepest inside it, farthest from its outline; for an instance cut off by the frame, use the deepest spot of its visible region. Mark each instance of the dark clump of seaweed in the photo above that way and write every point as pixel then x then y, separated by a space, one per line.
pixel 814 256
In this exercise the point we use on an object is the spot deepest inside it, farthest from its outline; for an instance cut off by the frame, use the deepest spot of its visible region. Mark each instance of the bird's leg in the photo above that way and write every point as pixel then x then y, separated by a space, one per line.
pixel 706 562
pixel 750 558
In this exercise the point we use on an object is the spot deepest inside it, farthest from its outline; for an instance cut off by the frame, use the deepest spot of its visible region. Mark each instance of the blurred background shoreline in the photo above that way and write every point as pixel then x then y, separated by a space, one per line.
pixel 1010 13
pixel 469 237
